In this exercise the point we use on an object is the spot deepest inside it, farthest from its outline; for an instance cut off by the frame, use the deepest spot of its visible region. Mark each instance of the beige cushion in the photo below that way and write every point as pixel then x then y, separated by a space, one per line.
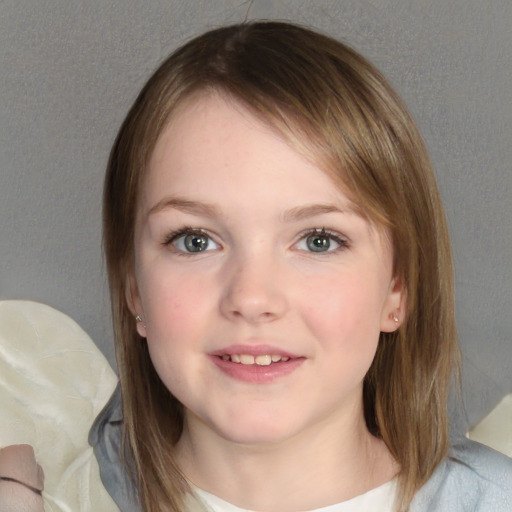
pixel 495 430
pixel 53 383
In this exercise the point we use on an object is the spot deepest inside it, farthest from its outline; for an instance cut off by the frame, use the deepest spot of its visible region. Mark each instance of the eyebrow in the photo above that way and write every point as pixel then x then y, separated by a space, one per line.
pixel 304 212
pixel 210 210
pixel 185 205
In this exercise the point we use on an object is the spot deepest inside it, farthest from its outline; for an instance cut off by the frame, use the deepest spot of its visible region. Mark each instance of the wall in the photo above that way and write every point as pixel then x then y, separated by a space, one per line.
pixel 70 69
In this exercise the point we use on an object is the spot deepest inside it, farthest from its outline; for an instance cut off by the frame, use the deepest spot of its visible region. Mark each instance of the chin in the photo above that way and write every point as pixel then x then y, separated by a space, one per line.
pixel 257 431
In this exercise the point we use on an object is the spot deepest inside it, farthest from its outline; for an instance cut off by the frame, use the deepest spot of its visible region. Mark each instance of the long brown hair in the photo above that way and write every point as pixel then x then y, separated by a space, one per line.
pixel 331 103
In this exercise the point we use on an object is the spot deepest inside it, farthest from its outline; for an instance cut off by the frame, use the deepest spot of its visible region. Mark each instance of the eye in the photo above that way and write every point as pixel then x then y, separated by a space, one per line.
pixel 321 240
pixel 191 241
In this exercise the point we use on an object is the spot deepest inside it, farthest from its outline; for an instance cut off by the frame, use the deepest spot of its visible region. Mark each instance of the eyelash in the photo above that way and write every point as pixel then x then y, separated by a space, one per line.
pixel 171 238
pixel 342 242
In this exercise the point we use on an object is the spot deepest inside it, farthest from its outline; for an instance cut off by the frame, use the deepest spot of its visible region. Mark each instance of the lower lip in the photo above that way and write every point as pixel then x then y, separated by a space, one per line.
pixel 256 374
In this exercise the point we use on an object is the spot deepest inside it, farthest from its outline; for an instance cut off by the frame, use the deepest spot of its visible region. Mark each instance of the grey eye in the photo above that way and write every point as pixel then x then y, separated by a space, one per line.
pixel 321 240
pixel 318 243
pixel 194 242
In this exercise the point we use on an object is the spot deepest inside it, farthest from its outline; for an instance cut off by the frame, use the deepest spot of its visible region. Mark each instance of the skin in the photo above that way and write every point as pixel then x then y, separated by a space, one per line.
pixel 301 436
pixel 21 480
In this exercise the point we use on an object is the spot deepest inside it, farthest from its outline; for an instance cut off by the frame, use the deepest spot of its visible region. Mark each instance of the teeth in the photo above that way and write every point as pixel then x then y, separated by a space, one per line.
pixel 261 360
pixel 246 359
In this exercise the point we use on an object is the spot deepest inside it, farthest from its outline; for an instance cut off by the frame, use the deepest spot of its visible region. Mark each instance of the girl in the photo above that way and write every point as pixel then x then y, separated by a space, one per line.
pixel 282 290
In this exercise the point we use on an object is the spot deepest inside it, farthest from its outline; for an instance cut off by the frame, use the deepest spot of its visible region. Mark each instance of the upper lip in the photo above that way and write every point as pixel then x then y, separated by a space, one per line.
pixel 253 350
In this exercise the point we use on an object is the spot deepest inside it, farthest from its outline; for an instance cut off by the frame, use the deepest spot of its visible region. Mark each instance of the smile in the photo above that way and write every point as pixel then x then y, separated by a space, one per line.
pixel 260 360
pixel 257 364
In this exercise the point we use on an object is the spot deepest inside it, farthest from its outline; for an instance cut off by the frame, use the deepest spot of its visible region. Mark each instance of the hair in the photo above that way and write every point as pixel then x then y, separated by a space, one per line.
pixel 331 103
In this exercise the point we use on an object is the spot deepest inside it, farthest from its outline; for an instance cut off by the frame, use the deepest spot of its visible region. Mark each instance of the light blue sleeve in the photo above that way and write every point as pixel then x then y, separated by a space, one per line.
pixel 106 439
pixel 473 479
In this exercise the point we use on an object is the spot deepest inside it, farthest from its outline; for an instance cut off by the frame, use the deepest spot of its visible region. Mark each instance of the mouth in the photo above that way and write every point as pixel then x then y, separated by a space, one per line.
pixel 257 364
pixel 259 360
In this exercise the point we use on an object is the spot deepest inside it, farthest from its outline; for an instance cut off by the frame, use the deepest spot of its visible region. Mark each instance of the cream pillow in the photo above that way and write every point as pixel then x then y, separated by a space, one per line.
pixel 495 430
pixel 53 383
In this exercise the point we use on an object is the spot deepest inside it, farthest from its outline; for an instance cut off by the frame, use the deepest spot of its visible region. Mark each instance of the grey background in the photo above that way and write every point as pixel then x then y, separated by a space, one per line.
pixel 70 70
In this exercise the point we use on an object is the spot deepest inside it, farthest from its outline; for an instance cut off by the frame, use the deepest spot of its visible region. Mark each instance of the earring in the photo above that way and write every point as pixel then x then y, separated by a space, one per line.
pixel 394 317
pixel 140 326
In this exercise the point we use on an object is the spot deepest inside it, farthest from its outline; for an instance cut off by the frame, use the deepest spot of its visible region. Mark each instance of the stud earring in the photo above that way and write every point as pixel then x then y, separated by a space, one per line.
pixel 140 326
pixel 394 317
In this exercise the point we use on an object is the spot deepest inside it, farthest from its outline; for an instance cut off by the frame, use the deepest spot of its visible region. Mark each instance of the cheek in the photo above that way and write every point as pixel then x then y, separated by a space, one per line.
pixel 171 305
pixel 174 329
pixel 342 298
pixel 344 310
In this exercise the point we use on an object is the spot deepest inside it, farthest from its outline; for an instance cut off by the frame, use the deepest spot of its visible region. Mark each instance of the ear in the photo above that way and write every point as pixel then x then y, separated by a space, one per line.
pixel 134 304
pixel 394 311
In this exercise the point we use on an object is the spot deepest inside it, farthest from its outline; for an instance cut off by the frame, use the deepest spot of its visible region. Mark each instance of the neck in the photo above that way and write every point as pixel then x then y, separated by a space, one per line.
pixel 319 467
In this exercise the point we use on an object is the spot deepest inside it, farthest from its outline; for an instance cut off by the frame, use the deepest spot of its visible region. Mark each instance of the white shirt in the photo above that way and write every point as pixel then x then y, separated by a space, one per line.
pixel 380 499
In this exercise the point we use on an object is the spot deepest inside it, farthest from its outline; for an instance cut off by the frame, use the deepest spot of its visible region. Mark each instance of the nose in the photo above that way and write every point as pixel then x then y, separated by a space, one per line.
pixel 254 292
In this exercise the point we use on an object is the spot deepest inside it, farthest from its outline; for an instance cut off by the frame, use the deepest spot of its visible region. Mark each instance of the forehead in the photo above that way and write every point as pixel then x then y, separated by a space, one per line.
pixel 292 126
pixel 212 136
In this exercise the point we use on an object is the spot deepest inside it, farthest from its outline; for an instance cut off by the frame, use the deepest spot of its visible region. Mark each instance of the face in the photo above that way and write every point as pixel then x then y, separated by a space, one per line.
pixel 262 291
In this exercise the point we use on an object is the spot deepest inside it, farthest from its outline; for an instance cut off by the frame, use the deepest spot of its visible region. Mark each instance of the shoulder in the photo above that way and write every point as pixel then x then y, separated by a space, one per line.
pixel 483 462
pixel 473 478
